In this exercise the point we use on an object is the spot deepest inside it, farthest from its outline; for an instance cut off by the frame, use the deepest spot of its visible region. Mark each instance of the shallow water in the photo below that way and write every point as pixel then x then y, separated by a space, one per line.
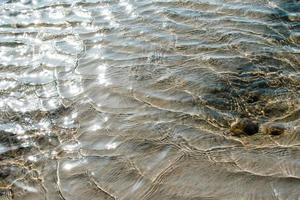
pixel 124 99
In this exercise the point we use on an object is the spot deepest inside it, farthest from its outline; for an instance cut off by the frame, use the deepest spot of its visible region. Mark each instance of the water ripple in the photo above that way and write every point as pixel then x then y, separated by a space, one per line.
pixel 129 99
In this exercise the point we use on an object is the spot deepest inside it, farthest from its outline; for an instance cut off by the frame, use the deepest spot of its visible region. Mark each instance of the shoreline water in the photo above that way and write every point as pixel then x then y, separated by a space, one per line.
pixel 142 99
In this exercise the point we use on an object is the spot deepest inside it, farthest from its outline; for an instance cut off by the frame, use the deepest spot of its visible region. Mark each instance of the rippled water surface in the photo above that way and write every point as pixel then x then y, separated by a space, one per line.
pixel 133 99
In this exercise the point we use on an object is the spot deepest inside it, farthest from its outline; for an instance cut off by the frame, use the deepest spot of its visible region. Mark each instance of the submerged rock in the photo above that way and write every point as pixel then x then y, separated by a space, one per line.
pixel 244 126
pixel 271 128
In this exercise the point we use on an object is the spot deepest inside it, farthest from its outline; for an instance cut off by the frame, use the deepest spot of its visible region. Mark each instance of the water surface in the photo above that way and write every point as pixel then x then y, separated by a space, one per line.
pixel 131 100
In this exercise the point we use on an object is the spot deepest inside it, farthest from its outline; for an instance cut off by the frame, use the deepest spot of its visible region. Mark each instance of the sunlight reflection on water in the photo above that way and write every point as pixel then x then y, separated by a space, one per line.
pixel 135 100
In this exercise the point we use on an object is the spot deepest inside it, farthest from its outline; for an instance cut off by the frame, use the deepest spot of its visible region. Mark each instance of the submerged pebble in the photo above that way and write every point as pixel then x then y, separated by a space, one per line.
pixel 271 128
pixel 244 126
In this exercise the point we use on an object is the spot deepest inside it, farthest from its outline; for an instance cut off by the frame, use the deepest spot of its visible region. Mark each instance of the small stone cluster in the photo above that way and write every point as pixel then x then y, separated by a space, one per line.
pixel 245 126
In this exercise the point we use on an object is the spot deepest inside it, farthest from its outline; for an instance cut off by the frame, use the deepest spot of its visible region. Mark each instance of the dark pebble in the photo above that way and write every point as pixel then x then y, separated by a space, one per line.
pixel 253 97
pixel 244 126
pixel 273 128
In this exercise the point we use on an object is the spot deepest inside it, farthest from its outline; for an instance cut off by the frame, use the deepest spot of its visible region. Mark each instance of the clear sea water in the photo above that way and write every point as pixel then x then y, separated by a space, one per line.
pixel 132 99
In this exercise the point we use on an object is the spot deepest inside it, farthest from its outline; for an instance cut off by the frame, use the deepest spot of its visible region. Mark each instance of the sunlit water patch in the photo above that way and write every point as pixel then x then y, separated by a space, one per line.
pixel 164 99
